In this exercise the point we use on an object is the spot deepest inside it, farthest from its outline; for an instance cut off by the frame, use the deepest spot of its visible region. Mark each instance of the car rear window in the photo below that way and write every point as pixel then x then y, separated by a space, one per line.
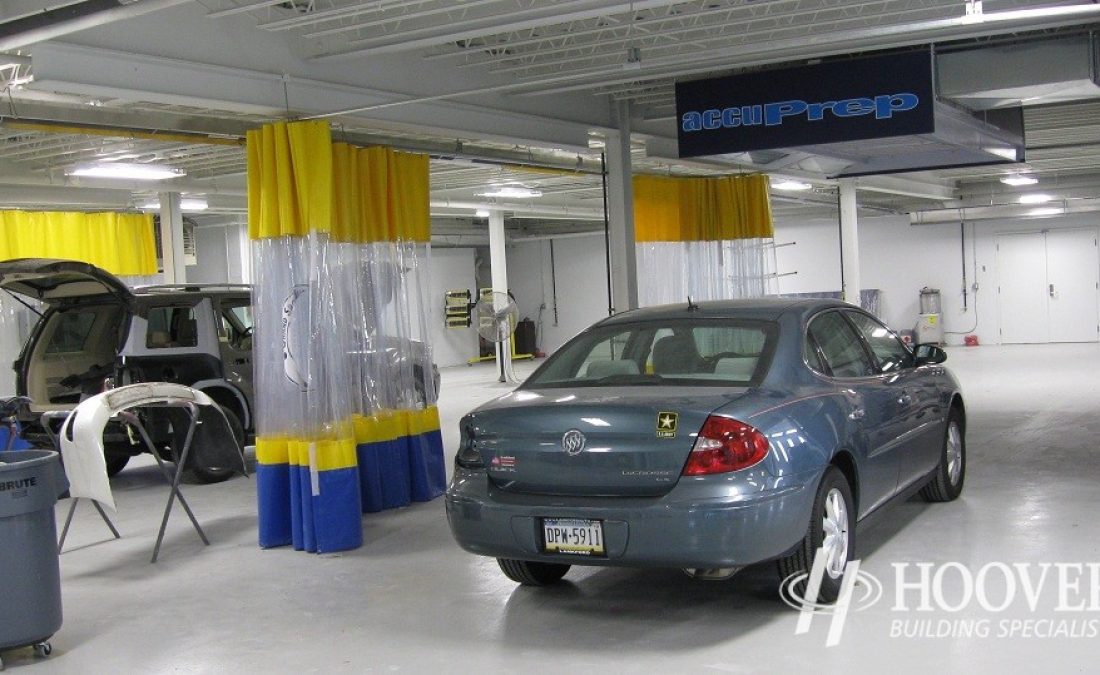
pixel 70 331
pixel 670 353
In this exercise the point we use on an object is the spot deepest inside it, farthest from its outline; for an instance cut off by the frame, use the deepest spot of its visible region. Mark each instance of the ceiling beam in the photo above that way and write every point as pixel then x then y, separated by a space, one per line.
pixel 558 12
pixel 105 73
pixel 830 44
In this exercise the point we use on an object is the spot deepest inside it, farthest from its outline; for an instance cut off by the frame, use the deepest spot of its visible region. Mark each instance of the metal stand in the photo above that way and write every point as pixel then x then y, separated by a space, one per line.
pixel 46 418
pixel 69 521
pixel 173 478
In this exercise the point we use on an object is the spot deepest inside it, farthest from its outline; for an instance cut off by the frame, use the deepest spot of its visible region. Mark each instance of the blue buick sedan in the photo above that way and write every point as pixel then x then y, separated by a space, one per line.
pixel 708 437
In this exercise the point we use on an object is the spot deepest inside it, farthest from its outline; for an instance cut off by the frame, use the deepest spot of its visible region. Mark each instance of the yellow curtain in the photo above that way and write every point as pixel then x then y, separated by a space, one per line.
pixel 380 195
pixel 701 209
pixel 290 179
pixel 121 243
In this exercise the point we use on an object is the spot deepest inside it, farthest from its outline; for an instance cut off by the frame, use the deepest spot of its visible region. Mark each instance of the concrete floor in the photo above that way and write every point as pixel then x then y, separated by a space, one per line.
pixel 410 600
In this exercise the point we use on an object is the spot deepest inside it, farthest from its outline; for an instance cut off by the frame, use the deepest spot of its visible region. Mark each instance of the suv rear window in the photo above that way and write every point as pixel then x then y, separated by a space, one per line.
pixel 172 327
pixel 670 353
pixel 70 332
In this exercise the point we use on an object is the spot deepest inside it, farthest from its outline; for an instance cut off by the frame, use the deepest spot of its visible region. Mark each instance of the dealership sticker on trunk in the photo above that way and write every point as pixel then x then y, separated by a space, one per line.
pixel 503 463
pixel 666 424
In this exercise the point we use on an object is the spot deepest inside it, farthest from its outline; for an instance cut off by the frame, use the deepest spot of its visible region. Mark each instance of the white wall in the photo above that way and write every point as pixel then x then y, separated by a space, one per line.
pixel 451 269
pixel 580 271
pixel 221 254
pixel 899 259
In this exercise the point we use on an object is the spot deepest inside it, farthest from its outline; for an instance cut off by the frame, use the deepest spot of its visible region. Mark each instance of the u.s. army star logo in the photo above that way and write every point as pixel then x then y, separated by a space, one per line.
pixel 666 424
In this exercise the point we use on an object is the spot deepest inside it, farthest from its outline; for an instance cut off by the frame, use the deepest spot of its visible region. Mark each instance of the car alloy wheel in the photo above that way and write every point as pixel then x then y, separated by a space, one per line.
pixel 831 532
pixel 954 453
pixel 946 483
pixel 834 525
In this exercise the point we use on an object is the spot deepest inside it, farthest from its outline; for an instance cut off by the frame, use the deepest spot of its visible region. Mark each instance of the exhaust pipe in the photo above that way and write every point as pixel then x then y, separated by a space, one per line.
pixel 712 573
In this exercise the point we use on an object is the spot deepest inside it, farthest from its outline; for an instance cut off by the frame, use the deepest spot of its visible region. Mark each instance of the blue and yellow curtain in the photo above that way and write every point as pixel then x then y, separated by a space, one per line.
pixel 121 243
pixel 343 425
pixel 708 238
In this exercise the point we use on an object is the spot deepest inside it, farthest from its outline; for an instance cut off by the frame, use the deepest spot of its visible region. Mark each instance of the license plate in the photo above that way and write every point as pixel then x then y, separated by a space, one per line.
pixel 574 536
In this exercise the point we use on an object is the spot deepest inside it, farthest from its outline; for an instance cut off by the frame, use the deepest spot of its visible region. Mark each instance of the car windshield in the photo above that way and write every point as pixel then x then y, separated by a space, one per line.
pixel 673 352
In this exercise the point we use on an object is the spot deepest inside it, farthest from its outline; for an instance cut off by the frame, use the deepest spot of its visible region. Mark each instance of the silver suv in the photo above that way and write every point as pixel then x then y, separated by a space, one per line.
pixel 95 333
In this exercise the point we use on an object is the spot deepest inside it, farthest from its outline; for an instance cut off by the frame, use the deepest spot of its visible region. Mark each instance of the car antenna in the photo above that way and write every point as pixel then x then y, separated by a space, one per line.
pixel 692 307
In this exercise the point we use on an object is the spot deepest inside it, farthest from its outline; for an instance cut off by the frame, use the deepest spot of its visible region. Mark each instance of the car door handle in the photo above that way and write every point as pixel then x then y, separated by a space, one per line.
pixel 857 414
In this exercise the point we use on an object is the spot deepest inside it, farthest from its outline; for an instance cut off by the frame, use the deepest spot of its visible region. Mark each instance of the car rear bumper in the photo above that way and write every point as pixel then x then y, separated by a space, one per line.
pixel 728 522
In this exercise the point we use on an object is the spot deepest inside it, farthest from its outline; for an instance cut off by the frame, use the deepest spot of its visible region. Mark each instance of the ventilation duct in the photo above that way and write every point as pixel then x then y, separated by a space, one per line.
pixel 1033 73
pixel 961 138
pixel 53 23
pixel 861 116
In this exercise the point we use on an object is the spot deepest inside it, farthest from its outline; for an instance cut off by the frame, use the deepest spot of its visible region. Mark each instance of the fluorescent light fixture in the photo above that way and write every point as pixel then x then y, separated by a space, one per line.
pixel 1046 211
pixel 789 184
pixel 1016 180
pixel 481 213
pixel 186 204
pixel 1007 153
pixel 125 170
pixel 511 192
pixel 973 11
pixel 1036 198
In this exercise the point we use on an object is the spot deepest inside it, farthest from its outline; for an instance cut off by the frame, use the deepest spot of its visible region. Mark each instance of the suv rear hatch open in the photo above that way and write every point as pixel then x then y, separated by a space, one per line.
pixel 74 345
pixel 54 281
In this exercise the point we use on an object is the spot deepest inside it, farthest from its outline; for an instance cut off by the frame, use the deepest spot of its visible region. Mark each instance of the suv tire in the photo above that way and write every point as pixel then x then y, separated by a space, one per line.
pixel 209 475
pixel 117 455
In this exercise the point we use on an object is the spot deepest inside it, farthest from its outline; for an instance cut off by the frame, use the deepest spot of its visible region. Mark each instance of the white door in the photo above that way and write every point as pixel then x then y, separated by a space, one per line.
pixel 1073 273
pixel 1048 286
pixel 1022 287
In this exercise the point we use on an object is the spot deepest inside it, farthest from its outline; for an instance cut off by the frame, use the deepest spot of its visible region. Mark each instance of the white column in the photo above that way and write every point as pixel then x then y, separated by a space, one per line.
pixel 171 238
pixel 243 247
pixel 620 212
pixel 849 241
pixel 498 269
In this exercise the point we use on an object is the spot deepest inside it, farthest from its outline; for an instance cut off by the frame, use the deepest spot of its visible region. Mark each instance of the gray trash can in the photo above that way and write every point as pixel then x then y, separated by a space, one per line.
pixel 30 578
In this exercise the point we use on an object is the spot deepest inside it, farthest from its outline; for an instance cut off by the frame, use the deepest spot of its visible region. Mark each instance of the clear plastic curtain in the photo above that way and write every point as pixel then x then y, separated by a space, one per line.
pixel 385 210
pixel 707 238
pixel 346 421
pixel 307 473
pixel 706 270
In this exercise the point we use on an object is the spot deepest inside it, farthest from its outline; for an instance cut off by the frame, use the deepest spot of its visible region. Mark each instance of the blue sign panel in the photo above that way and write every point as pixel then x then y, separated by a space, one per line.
pixel 812 105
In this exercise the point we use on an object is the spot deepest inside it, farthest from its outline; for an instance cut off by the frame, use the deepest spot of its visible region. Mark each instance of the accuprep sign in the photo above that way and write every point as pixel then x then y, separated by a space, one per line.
pixel 813 105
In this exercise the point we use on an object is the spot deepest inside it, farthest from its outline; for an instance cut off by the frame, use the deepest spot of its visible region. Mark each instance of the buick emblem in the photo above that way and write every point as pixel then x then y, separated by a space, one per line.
pixel 572 442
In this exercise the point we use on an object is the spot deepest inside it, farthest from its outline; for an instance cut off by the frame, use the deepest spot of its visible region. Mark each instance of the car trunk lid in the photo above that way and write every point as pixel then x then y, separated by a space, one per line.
pixel 600 441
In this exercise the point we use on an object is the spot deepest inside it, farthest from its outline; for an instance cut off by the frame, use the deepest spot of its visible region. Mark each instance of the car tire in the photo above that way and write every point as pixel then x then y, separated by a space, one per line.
pixel 947 483
pixel 117 456
pixel 832 503
pixel 208 475
pixel 532 573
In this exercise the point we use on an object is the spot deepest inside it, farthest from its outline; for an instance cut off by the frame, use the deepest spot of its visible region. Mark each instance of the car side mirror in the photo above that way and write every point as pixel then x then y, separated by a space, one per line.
pixel 925 354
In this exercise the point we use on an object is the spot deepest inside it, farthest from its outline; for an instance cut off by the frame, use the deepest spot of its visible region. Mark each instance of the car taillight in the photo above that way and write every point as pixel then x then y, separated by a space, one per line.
pixel 725 445
pixel 469 457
